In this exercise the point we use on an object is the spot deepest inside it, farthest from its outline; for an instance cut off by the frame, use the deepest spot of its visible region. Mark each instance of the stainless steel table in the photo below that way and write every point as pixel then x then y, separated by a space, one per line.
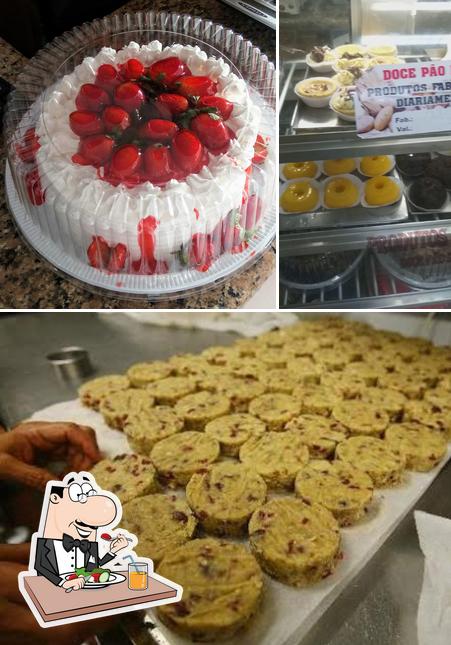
pixel 378 608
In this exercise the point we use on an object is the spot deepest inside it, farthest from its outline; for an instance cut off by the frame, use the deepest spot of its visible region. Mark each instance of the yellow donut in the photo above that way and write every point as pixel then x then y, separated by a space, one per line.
pixel 300 169
pixel 380 191
pixel 299 197
pixel 339 166
pixel 341 193
pixel 375 166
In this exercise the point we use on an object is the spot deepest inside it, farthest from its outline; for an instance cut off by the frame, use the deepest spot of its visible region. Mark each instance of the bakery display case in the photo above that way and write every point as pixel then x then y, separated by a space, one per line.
pixel 364 222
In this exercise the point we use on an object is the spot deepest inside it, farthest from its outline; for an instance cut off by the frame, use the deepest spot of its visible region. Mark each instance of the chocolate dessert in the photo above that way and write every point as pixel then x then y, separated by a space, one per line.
pixel 440 168
pixel 428 193
pixel 318 54
pixel 413 165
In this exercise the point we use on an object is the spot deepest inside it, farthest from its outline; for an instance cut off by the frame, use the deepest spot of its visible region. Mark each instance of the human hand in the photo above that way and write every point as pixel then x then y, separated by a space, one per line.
pixel 74 584
pixel 119 543
pixel 19 449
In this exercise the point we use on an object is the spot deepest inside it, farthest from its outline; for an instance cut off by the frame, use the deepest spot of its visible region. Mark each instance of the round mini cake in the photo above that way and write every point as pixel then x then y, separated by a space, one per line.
pixel 160 522
pixel 316 399
pixel 222 587
pixel 282 381
pixel 413 165
pixel 233 430
pixel 319 434
pixel 421 447
pixel 93 392
pixel 428 193
pixel 220 355
pixel 239 391
pixel 117 406
pixel 359 418
pixel 429 415
pixel 144 157
pixel 275 409
pixel 146 427
pixel 344 490
pixel 391 401
pixel 168 391
pixel 343 384
pixel 201 407
pixel 127 476
pixel 295 542
pixel 141 374
pixel 276 456
pixel 374 457
pixel 408 384
pixel 224 498
pixel 178 457
pixel 305 370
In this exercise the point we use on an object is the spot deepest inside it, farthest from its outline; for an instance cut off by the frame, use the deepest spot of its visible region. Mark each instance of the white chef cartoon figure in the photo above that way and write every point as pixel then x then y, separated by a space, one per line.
pixel 68 538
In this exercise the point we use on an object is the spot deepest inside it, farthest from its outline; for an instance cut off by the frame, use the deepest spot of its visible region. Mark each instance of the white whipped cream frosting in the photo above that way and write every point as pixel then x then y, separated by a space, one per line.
pixel 86 206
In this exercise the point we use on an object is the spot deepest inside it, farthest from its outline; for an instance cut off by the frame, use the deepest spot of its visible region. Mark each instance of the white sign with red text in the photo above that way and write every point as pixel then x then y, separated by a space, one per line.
pixel 409 98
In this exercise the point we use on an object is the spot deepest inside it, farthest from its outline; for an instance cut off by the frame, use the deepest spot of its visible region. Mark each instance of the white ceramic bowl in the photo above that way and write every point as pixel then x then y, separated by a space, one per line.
pixel 355 180
pixel 342 115
pixel 401 190
pixel 314 183
pixel 315 101
pixel 320 68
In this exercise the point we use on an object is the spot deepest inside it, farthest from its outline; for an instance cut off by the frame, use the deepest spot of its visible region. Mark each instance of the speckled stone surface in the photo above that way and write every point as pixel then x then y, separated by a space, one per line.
pixel 27 282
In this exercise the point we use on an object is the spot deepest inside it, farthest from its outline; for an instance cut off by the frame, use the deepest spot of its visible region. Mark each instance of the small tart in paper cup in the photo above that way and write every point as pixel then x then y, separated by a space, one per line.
pixel 300 170
pixel 303 199
pixel 342 191
pixel 384 185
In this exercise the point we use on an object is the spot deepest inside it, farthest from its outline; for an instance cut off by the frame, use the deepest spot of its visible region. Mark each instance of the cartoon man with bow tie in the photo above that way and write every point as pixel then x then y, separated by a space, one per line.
pixel 75 511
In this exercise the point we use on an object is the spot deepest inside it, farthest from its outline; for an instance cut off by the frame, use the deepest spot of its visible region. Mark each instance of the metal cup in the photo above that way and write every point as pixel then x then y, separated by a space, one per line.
pixel 71 363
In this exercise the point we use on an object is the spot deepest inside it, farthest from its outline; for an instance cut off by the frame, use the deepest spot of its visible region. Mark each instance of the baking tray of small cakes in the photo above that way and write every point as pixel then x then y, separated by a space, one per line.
pixel 340 192
pixel 326 91
pixel 263 476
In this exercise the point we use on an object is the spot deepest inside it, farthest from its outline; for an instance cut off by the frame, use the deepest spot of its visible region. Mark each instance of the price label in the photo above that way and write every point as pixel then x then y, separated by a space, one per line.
pixel 404 99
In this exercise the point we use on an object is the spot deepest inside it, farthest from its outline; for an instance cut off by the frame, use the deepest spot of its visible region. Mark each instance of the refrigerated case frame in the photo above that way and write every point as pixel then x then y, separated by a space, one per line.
pixel 330 143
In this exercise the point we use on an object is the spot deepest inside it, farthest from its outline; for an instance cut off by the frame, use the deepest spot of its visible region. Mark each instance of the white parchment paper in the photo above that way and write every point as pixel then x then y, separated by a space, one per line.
pixel 286 613
pixel 434 609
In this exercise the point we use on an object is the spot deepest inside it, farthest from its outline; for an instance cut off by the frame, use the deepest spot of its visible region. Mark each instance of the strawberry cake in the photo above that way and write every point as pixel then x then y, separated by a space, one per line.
pixel 144 160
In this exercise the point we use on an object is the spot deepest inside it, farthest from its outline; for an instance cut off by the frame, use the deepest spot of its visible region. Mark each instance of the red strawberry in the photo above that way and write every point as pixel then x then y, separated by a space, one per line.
pixel 129 96
pixel 116 119
pixel 187 151
pixel 92 98
pixel 260 150
pixel 84 124
pixel 212 131
pixel 201 252
pixel 81 161
pixel 146 241
pixel 98 252
pixel 29 146
pixel 190 86
pixel 223 107
pixel 171 104
pixel 158 130
pixel 34 187
pixel 118 258
pixel 168 70
pixel 107 77
pixel 126 161
pixel 132 69
pixel 158 164
pixel 96 149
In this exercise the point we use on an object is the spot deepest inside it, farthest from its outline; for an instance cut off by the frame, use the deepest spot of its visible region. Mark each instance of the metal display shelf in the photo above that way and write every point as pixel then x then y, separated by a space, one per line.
pixel 308 134
pixel 363 290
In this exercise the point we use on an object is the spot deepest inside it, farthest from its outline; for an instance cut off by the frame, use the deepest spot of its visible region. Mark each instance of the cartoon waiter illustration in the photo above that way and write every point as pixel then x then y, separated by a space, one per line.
pixel 65 557
pixel 75 512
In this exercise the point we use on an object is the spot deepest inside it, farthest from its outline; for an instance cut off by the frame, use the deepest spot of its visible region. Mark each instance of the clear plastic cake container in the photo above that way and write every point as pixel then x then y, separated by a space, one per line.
pixel 141 239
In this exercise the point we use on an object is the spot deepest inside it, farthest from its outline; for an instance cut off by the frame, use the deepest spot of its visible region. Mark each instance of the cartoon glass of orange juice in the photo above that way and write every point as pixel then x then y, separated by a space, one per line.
pixel 137 576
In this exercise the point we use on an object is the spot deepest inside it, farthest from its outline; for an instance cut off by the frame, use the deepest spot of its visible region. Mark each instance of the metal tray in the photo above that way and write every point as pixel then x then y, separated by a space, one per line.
pixel 340 218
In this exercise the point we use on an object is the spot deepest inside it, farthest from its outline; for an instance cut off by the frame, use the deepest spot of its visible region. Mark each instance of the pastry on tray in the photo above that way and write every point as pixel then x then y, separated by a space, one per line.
pixel 316 91
pixel 342 102
pixel 413 164
pixel 428 193
pixel 301 196
pixel 341 192
pixel 440 168
pixel 127 476
pixel 375 457
pixel 422 447
pixel 339 166
pixel 376 165
pixel 381 191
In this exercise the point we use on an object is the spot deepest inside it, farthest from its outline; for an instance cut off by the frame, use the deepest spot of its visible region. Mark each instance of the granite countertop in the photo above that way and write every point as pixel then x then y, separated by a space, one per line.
pixel 27 282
